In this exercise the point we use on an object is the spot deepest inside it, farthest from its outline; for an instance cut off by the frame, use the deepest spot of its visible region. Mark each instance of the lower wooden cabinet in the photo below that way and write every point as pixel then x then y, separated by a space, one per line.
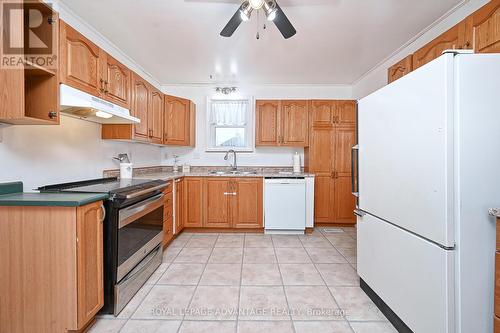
pixel 193 202
pixel 52 272
pixel 217 198
pixel 180 204
pixel 168 215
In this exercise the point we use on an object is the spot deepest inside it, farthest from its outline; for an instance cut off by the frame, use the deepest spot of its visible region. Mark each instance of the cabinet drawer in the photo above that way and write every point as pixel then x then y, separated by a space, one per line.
pixel 497 284
pixel 169 188
pixel 168 230
pixel 168 210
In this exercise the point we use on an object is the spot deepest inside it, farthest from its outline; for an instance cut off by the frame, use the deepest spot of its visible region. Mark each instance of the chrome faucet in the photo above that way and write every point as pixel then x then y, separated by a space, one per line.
pixel 234 166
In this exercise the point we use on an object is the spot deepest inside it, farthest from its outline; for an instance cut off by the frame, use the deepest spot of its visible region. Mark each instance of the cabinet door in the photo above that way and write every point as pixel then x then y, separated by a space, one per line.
pixel 177 121
pixel 217 198
pixel 345 112
pixel 321 151
pixel 79 61
pixel 400 69
pixel 155 117
pixel 89 253
pixel 140 107
pixel 194 202
pixel 267 125
pixel 497 284
pixel 486 28
pixel 322 113
pixel 168 231
pixel 455 38
pixel 247 203
pixel 180 204
pixel 323 198
pixel 295 123
pixel 116 79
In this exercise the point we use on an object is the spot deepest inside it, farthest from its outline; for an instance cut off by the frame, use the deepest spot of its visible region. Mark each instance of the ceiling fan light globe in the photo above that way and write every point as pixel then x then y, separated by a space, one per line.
pixel 271 16
pixel 256 4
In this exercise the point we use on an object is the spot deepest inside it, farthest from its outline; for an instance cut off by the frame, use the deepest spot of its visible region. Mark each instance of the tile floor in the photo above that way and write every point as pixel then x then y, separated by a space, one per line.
pixel 218 283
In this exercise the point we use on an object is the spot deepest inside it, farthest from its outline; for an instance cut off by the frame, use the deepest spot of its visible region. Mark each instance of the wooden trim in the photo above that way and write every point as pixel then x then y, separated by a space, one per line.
pixel 333 224
pixel 309 231
pixel 224 230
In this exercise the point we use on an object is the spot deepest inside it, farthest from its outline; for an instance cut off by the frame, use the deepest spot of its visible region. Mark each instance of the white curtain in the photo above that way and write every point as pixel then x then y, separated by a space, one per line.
pixel 229 113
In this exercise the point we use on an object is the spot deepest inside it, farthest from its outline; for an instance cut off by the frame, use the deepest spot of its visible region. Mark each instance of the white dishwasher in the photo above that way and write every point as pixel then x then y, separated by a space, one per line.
pixel 285 204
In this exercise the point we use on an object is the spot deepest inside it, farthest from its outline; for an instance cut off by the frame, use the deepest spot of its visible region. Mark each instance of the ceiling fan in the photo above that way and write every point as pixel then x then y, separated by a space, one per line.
pixel 272 11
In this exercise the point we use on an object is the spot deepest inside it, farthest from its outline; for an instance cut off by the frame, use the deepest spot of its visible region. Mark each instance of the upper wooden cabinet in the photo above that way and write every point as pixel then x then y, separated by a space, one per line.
pixel 485 26
pixel 282 123
pixel 400 69
pixel 79 61
pixel 328 113
pixel 179 122
pixel 115 81
pixel 155 117
pixel 141 94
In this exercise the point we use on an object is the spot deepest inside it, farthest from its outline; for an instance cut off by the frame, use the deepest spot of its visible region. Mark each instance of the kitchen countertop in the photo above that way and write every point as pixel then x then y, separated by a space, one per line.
pixel 176 175
pixel 11 195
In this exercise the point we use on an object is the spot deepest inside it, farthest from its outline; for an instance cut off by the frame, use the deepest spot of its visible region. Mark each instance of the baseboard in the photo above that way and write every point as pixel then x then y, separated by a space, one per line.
pixel 399 324
pixel 224 230
pixel 333 225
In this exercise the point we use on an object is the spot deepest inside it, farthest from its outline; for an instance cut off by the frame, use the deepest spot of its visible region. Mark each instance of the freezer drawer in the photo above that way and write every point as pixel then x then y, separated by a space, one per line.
pixel 414 277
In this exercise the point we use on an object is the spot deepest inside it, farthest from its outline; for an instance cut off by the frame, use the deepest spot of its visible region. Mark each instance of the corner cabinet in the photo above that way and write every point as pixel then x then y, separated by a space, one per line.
pixel 179 122
pixel 54 279
pixel 282 123
pixel 400 69
pixel 485 26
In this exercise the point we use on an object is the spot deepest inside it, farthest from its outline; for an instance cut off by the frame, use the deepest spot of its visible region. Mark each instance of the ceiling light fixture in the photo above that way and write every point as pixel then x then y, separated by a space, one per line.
pixel 245 11
pixel 270 9
pixel 256 4
pixel 225 90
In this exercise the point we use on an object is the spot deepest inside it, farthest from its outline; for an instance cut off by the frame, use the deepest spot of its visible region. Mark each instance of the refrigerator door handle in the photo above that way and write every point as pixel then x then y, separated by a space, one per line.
pixel 354 170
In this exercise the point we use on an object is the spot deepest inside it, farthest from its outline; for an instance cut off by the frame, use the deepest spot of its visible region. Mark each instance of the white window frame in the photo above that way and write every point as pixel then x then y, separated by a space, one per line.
pixel 210 129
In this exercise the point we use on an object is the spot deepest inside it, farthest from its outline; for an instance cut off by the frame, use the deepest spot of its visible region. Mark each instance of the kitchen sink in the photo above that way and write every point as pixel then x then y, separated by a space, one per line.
pixel 243 173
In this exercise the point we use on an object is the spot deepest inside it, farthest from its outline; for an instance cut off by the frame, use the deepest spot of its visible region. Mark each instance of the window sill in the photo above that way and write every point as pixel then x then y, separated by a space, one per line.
pixel 223 150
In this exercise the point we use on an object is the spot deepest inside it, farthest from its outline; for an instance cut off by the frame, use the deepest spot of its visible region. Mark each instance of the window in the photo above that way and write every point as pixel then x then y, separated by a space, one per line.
pixel 230 125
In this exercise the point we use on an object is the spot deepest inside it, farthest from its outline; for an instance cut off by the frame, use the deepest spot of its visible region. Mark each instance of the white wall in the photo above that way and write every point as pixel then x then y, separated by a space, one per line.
pixel 41 155
pixel 377 77
pixel 261 156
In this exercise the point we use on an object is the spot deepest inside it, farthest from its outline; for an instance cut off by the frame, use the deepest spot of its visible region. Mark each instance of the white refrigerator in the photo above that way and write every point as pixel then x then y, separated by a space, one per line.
pixel 428 169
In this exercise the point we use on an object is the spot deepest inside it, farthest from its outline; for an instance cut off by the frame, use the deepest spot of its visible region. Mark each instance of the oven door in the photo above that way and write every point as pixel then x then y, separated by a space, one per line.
pixel 140 230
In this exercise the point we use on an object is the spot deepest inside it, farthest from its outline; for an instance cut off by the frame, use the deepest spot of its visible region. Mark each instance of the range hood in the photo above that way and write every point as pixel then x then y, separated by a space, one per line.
pixel 79 104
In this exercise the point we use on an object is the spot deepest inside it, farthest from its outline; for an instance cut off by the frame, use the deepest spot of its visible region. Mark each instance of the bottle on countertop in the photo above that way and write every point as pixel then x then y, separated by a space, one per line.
pixel 175 168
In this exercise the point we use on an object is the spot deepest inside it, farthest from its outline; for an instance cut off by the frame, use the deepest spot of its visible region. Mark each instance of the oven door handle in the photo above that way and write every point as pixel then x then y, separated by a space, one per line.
pixel 142 265
pixel 146 191
pixel 132 213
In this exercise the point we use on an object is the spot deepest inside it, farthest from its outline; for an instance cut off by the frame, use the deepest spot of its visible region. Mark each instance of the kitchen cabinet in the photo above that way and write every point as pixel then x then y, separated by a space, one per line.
pixel 247 210
pixel 168 215
pixel 496 315
pixel 54 278
pixel 194 202
pixel 282 123
pixel 455 38
pixel 333 133
pixel 400 69
pixel 115 81
pixel 155 117
pixel 30 92
pixel 218 195
pixel 485 27
pixel 179 122
pixel 180 206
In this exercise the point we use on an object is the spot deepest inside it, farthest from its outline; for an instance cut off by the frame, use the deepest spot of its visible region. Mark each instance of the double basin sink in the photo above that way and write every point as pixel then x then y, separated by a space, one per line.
pixel 233 173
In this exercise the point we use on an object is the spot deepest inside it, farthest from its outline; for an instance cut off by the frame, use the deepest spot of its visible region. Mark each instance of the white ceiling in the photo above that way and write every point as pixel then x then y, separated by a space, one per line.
pixel 178 41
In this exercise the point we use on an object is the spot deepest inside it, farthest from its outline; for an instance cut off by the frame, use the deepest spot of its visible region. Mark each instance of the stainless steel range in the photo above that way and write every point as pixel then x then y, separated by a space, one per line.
pixel 133 233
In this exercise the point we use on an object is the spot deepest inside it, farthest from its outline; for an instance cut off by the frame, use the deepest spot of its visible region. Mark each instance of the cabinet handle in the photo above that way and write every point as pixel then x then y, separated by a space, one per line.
pixel 103 211
pixel 106 87
pixel 101 89
pixel 52 114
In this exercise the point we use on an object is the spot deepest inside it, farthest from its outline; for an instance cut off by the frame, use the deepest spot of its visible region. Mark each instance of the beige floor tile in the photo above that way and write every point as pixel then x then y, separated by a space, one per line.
pixel 300 275
pixel 230 241
pixel 193 255
pixel 349 254
pixel 373 327
pixel 179 241
pixel 221 275
pixel 170 253
pixel 201 241
pixel 214 303
pixel 151 326
pixel 107 326
pixel 343 240
pixel 312 303
pixel 292 255
pixel 208 327
pixel 182 274
pixel 338 274
pixel 158 273
pixel 130 308
pixel 165 302
pixel 222 255
pixel 356 304
pixel 322 327
pixel 259 255
pixel 286 241
pixel 325 255
pixel 265 327
pixel 263 303
pixel 258 241
pixel 314 241
pixel 261 275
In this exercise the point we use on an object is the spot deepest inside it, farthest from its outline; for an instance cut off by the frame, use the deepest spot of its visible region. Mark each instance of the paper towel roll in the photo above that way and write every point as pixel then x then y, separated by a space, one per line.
pixel 296 163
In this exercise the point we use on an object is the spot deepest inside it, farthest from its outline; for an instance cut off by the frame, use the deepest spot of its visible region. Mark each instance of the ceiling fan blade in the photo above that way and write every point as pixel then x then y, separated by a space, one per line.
pixel 283 24
pixel 232 25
